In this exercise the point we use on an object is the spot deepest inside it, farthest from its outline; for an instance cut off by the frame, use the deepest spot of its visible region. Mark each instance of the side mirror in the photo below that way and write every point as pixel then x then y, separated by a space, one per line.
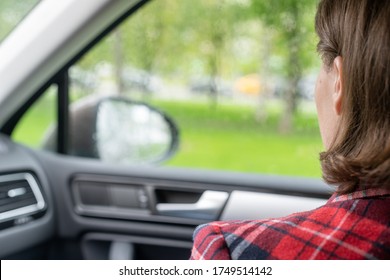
pixel 119 130
pixel 131 132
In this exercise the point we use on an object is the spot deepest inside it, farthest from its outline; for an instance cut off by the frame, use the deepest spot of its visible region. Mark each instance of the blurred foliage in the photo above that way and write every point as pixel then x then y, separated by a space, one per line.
pixel 209 38
pixel 212 39
pixel 293 21
pixel 166 35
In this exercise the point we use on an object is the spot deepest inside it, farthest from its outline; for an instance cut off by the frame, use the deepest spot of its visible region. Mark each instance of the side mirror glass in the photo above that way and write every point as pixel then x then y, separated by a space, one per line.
pixel 130 132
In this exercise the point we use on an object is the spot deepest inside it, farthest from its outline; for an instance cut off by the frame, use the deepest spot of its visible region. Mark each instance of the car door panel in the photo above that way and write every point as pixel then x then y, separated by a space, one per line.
pixel 121 218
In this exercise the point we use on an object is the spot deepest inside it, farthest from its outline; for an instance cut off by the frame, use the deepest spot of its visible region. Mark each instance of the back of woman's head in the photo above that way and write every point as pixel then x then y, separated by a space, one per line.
pixel 359 32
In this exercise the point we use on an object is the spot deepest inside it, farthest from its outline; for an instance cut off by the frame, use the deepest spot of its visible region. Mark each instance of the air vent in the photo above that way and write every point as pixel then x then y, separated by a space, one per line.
pixel 19 196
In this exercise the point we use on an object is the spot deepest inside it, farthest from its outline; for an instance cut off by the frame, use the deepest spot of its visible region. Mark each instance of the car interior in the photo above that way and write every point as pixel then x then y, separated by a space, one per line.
pixel 74 197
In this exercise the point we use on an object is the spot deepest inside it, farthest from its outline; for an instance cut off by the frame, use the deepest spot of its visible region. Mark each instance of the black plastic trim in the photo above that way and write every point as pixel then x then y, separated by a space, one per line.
pixel 63 113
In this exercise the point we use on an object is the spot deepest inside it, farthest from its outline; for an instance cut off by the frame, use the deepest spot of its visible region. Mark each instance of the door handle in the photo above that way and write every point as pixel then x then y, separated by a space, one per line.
pixel 208 207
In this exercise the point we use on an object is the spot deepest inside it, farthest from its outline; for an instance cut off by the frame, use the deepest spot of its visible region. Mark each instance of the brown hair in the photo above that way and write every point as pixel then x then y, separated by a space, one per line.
pixel 359 32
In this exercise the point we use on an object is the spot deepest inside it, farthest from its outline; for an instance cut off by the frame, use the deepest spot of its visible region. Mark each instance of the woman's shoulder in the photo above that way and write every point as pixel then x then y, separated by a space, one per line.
pixel 239 239
pixel 340 229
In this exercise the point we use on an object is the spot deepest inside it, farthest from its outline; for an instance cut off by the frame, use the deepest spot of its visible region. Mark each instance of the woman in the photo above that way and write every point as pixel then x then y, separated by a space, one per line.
pixel 353 104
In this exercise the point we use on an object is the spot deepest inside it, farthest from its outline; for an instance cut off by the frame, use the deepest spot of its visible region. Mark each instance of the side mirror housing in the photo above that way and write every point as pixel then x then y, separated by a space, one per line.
pixel 119 130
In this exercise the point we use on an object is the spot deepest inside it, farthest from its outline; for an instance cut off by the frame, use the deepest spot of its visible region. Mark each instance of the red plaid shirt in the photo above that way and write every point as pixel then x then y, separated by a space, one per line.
pixel 354 226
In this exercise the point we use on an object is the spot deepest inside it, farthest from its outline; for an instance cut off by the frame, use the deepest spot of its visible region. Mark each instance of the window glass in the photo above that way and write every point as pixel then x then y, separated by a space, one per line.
pixel 236 76
pixel 36 127
pixel 12 12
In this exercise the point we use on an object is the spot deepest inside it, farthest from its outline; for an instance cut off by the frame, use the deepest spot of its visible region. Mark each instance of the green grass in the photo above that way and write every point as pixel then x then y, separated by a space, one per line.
pixel 227 138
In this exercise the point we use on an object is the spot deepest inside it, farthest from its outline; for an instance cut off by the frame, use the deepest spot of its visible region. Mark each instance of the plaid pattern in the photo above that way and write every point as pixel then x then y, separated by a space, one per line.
pixel 354 226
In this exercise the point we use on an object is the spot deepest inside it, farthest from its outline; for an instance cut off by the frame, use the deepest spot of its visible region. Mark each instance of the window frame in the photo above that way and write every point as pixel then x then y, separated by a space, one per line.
pixel 61 79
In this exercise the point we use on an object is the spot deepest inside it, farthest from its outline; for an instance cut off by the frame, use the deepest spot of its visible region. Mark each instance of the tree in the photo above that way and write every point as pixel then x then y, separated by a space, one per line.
pixel 137 43
pixel 289 19
pixel 144 37
pixel 215 32
pixel 203 31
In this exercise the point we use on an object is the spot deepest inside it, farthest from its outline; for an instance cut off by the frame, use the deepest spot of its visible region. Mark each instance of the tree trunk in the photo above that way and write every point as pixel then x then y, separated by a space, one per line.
pixel 213 83
pixel 286 122
pixel 118 53
pixel 261 113
pixel 294 75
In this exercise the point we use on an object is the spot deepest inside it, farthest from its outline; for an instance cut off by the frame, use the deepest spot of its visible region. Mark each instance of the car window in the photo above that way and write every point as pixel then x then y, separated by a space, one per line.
pixel 11 13
pixel 39 121
pixel 237 81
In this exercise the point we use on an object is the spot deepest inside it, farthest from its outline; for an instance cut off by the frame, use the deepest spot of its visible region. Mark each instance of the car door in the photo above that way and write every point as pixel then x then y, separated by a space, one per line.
pixel 66 198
